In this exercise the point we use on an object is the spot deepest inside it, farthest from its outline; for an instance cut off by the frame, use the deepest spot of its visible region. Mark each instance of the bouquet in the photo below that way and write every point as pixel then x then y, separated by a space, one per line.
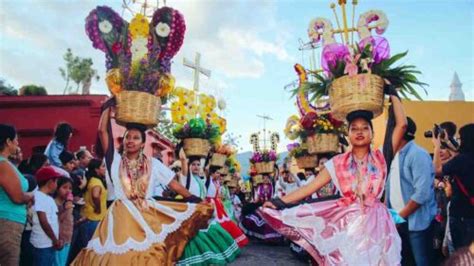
pixel 264 157
pixel 198 128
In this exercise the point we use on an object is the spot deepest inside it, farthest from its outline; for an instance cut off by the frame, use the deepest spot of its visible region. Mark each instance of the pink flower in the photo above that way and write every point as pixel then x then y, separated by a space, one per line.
pixel 351 65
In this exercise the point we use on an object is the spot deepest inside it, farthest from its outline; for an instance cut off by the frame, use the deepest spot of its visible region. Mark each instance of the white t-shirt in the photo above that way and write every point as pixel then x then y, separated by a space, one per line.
pixel 396 199
pixel 44 203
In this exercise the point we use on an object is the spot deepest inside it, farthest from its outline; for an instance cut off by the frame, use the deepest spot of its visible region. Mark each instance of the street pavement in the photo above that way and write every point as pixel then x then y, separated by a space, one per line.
pixel 260 254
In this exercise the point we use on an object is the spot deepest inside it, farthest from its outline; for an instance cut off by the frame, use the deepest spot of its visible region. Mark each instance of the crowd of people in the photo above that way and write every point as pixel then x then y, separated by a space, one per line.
pixel 59 207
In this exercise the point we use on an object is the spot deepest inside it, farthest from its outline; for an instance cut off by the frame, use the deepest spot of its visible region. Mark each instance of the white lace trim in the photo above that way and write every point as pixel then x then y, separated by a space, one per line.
pixel 258 235
pixel 150 237
pixel 210 255
pixel 240 238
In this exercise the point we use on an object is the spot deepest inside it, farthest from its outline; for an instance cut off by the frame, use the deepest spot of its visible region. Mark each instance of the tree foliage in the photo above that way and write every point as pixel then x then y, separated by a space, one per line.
pixel 79 71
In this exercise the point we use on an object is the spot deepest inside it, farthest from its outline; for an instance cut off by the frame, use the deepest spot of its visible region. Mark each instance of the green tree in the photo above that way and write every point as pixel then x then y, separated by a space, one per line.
pixel 7 89
pixel 33 90
pixel 78 70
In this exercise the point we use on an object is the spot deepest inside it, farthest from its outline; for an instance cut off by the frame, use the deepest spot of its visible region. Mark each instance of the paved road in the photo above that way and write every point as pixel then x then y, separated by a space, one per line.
pixel 259 254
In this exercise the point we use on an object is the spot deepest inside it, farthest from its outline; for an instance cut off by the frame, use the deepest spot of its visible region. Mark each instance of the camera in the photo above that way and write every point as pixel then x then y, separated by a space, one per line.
pixel 436 130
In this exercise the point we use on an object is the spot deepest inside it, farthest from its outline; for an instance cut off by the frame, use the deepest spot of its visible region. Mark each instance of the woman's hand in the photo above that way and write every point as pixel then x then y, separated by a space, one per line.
pixel 436 141
pixel 270 205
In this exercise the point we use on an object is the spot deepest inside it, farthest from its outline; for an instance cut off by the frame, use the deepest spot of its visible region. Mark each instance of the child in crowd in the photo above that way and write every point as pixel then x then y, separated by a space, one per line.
pixel 95 196
pixel 64 198
pixel 45 232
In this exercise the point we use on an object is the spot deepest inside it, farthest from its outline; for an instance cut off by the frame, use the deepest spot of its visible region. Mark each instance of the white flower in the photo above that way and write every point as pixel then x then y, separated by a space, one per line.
pixel 162 29
pixel 105 26
pixel 139 48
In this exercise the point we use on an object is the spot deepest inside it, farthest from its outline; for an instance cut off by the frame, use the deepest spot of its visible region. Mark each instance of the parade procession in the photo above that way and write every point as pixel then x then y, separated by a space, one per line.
pixel 309 132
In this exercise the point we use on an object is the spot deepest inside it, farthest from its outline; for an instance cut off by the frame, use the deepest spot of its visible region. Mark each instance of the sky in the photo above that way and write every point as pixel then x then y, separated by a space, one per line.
pixel 250 46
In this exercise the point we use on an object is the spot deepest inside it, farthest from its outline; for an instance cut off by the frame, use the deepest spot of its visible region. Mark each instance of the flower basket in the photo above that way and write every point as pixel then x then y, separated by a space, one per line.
pixel 137 107
pixel 322 143
pixel 196 147
pixel 359 92
pixel 264 167
pixel 307 161
pixel 218 159
pixel 224 170
pixel 227 178
pixel 257 179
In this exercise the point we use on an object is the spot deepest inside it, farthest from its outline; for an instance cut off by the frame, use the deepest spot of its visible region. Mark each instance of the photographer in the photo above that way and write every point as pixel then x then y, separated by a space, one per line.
pixel 461 210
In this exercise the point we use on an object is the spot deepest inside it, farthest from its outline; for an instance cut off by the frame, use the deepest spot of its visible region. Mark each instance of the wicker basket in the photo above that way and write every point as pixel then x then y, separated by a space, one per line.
pixel 264 167
pixel 309 161
pixel 224 170
pixel 360 92
pixel 322 143
pixel 137 107
pixel 257 179
pixel 196 147
pixel 218 159
pixel 227 178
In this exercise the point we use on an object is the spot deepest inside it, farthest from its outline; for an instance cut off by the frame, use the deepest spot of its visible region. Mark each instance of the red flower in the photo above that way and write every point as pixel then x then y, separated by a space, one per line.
pixel 307 121
pixel 336 123
pixel 116 47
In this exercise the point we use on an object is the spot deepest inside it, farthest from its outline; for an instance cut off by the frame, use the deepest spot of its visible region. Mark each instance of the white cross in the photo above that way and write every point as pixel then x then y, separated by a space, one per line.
pixel 196 66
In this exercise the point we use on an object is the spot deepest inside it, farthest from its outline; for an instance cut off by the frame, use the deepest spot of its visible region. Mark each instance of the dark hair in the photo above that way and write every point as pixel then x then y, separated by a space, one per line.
pixel 62 133
pixel 312 170
pixel 409 134
pixel 93 165
pixel 6 132
pixel 450 128
pixel 466 134
pixel 81 153
pixel 66 157
pixel 32 164
pixel 61 181
pixel 363 114
pixel 214 169
pixel 135 126
pixel 91 172
pixel 132 126
pixel 301 176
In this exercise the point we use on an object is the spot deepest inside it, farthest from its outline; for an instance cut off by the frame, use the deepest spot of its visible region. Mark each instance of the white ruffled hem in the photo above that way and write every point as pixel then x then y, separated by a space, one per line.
pixel 150 237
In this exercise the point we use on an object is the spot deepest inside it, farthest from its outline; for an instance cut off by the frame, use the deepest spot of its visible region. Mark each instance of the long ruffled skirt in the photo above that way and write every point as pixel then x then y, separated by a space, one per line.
pixel 155 235
pixel 211 246
pixel 232 228
pixel 253 225
pixel 335 234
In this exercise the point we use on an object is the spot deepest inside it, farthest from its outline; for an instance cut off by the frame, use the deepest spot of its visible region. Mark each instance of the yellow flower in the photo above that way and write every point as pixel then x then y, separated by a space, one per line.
pixel 138 27
pixel 166 85
pixel 114 80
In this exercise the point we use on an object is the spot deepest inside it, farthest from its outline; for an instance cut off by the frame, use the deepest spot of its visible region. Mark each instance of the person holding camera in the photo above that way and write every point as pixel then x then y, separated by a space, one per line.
pixel 459 168
pixel 410 192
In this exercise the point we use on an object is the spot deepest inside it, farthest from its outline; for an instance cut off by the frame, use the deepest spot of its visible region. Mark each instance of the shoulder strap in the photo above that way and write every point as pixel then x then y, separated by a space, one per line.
pixel 208 182
pixel 464 190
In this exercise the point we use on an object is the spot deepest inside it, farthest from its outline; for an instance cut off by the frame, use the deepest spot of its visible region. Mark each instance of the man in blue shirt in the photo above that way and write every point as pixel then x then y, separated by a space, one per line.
pixel 409 190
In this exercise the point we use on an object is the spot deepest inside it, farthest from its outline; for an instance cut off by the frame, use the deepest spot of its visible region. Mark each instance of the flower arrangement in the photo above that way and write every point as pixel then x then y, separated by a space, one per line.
pixel 371 55
pixel 232 164
pixel 198 128
pixel 312 123
pixel 224 149
pixel 296 150
pixel 264 156
pixel 138 54
pixel 188 105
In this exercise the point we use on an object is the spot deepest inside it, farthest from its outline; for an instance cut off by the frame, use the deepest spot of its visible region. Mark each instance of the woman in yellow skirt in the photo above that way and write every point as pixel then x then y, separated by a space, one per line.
pixel 138 230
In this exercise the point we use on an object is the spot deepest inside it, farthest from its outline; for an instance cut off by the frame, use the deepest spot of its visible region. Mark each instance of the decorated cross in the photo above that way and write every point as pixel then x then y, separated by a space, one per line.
pixel 196 66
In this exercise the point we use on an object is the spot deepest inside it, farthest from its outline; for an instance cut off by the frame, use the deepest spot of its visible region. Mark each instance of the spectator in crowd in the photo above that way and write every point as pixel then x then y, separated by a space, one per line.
pixel 28 168
pixel 13 199
pixel 16 157
pixel 410 192
pixel 95 196
pixel 45 233
pixel 459 168
pixel 59 143
pixel 63 198
pixel 83 157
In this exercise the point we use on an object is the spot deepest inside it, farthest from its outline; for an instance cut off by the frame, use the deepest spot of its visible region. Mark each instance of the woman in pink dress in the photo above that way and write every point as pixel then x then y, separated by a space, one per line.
pixel 356 229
